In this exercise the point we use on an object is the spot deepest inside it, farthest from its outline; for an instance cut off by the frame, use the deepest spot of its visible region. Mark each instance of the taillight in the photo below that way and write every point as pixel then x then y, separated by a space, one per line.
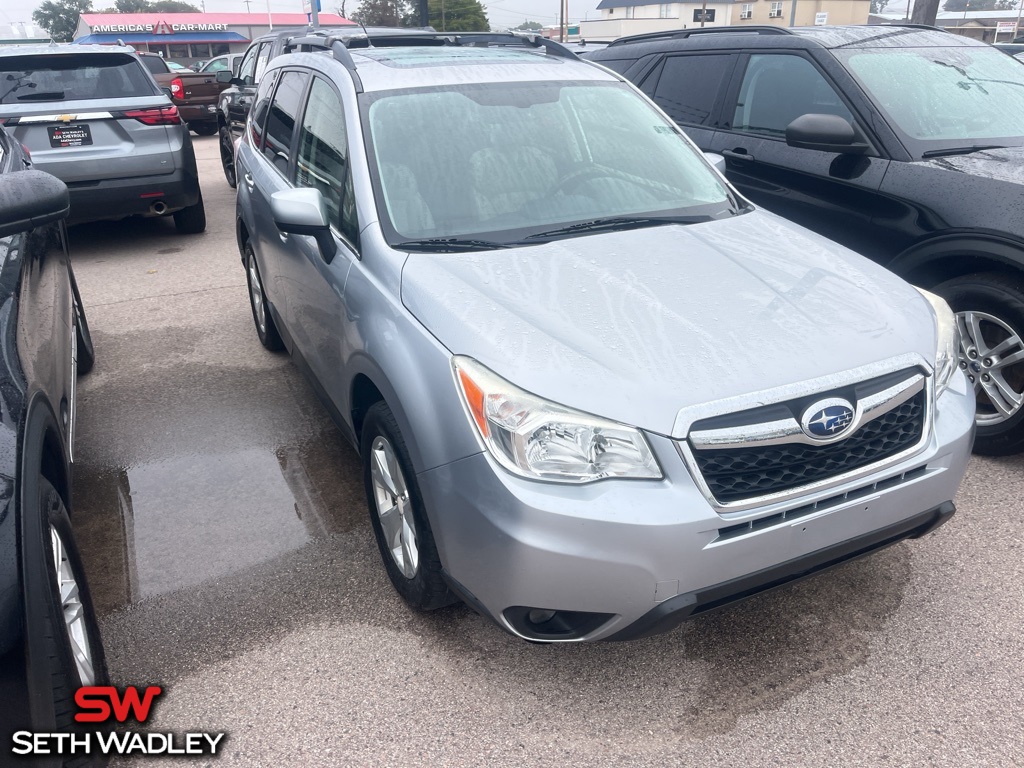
pixel 159 116
pixel 25 150
pixel 177 88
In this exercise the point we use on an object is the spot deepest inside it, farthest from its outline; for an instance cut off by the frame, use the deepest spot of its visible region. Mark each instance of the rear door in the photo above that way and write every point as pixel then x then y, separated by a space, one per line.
pixel 689 88
pixel 89 116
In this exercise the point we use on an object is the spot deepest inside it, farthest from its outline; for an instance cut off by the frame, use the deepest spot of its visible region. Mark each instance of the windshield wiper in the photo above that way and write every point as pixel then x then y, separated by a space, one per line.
pixel 618 223
pixel 960 150
pixel 448 245
pixel 45 96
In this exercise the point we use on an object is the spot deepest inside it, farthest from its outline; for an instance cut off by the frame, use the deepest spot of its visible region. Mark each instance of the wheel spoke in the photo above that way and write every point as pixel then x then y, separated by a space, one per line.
pixel 1016 357
pixel 391 523
pixel 409 550
pixel 998 396
pixel 1005 345
pixel 382 471
pixel 974 331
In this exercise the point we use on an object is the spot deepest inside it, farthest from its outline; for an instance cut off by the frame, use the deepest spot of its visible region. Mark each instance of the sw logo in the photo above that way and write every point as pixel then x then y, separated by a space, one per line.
pixel 98 702
pixel 105 704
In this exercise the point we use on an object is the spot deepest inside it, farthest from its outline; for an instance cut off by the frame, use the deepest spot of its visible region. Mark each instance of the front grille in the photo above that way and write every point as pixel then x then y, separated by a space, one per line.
pixel 737 474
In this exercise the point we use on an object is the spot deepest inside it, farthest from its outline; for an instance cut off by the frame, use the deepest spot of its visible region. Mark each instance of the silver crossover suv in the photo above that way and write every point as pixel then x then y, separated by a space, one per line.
pixel 93 116
pixel 595 391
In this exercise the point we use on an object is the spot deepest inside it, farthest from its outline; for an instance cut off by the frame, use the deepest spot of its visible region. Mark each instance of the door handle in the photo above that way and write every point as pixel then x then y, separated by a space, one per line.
pixel 737 154
pixel 250 182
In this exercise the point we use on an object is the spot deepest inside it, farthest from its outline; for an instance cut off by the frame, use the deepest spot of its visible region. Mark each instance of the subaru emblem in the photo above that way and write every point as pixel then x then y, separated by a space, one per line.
pixel 827 419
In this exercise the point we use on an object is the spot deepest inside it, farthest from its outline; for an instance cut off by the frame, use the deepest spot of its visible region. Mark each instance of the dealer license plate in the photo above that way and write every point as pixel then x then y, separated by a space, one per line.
pixel 70 136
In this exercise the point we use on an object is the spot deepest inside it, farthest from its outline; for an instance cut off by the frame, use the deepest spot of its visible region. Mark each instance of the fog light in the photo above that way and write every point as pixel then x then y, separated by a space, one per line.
pixel 546 625
pixel 539 616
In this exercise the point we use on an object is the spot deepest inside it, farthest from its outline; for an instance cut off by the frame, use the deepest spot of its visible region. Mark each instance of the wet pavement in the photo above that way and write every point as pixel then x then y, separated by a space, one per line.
pixel 224 529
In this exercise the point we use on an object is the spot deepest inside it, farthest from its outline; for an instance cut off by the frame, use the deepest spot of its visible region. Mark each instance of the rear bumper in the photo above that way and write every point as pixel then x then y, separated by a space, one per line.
pixel 198 113
pixel 112 199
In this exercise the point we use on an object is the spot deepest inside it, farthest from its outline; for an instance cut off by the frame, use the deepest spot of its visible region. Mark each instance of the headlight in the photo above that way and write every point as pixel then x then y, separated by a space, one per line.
pixel 947 341
pixel 534 438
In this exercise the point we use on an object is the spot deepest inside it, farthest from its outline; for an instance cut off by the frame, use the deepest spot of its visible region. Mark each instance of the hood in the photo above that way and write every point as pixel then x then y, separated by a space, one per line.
pixel 1002 164
pixel 633 326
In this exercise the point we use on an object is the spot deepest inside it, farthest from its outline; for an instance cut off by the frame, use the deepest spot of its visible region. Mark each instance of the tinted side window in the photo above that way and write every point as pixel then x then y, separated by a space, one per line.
pixel 258 116
pixel 779 88
pixel 689 86
pixel 262 57
pixel 248 66
pixel 616 65
pixel 281 119
pixel 154 64
pixel 323 157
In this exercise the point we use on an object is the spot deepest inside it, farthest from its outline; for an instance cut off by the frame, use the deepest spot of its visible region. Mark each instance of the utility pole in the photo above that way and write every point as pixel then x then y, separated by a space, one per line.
pixel 247 4
pixel 704 12
pixel 561 21
pixel 792 13
pixel 925 12
pixel 1016 29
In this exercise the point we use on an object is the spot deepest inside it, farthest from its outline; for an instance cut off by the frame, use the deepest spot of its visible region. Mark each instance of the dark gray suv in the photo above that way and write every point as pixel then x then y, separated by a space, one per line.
pixel 93 116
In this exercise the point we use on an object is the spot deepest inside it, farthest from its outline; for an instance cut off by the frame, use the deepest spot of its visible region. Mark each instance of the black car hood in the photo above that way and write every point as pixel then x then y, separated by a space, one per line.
pixel 1002 164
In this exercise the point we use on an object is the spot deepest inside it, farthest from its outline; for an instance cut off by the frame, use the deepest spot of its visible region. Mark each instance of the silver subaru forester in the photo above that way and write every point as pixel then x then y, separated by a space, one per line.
pixel 595 391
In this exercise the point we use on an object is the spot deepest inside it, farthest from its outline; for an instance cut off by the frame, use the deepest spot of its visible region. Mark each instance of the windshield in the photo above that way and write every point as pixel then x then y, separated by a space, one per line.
pixel 945 97
pixel 70 77
pixel 503 162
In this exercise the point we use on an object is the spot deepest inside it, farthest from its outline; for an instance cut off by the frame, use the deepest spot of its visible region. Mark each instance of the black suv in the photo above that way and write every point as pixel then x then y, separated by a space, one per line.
pixel 904 143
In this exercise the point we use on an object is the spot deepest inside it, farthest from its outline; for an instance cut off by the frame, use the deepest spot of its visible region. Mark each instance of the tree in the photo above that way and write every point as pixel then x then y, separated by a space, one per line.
pixel 533 26
pixel 458 16
pixel 959 6
pixel 878 6
pixel 131 6
pixel 60 17
pixel 172 6
pixel 385 13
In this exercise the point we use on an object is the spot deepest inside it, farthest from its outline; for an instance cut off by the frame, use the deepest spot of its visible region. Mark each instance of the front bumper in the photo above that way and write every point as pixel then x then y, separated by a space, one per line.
pixel 625 559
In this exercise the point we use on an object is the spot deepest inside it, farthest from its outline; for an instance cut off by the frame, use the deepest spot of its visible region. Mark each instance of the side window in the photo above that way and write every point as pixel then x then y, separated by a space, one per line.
pixel 262 57
pixel 281 119
pixel 258 115
pixel 323 157
pixel 689 86
pixel 245 71
pixel 779 88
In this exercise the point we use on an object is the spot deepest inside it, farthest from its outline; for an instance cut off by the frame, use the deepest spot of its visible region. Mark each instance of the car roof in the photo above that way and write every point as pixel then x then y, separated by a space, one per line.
pixel 62 50
pixel 749 37
pixel 440 60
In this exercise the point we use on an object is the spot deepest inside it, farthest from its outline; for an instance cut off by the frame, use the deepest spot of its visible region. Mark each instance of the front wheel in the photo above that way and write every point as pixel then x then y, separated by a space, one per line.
pixel 265 328
pixel 990 315
pixel 204 129
pixel 227 156
pixel 396 510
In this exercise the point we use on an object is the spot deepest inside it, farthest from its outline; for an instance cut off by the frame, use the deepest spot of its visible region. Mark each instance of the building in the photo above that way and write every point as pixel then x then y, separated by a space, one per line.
pixel 633 17
pixel 189 37
pixel 988 26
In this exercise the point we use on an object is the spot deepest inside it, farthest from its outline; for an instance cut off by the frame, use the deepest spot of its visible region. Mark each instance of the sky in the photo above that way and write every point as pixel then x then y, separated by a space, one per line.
pixel 501 13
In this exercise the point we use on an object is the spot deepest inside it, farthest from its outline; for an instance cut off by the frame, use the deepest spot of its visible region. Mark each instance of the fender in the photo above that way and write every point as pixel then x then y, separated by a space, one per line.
pixel 951 254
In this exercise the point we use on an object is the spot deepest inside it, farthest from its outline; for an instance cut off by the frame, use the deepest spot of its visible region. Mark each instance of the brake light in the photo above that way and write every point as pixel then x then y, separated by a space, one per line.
pixel 177 88
pixel 159 116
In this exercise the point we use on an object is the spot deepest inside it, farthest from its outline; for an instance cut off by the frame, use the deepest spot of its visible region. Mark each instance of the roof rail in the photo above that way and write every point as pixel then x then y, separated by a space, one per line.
pixel 907 24
pixel 370 38
pixel 673 34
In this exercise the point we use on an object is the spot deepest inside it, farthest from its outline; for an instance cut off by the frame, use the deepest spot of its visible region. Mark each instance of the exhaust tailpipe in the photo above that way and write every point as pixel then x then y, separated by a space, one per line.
pixel 158 208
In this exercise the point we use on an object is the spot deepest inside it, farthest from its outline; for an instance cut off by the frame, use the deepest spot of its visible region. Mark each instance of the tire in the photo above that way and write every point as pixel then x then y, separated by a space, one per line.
pixel 227 156
pixel 53 673
pixel 265 327
pixel 83 338
pixel 191 220
pixel 204 129
pixel 417 578
pixel 990 314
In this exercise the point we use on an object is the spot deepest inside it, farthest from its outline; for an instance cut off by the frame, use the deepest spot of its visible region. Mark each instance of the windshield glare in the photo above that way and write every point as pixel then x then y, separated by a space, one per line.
pixel 944 94
pixel 517 158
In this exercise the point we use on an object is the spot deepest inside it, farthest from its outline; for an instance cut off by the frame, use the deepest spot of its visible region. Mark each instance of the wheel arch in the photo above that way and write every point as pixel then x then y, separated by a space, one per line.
pixel 945 257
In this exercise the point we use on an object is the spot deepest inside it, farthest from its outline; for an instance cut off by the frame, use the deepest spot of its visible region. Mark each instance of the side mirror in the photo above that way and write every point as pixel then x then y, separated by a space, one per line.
pixel 224 76
pixel 716 160
pixel 302 212
pixel 826 133
pixel 31 199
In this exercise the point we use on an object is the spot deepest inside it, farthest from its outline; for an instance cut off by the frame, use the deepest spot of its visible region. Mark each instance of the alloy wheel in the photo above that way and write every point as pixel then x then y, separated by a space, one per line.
pixel 394 507
pixel 73 610
pixel 992 355
pixel 256 293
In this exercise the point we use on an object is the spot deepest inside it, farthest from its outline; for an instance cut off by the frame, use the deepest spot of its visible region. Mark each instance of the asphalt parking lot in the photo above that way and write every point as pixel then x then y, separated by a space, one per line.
pixel 224 529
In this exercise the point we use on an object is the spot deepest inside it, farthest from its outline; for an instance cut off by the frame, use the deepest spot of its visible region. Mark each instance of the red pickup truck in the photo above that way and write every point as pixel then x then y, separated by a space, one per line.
pixel 195 94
